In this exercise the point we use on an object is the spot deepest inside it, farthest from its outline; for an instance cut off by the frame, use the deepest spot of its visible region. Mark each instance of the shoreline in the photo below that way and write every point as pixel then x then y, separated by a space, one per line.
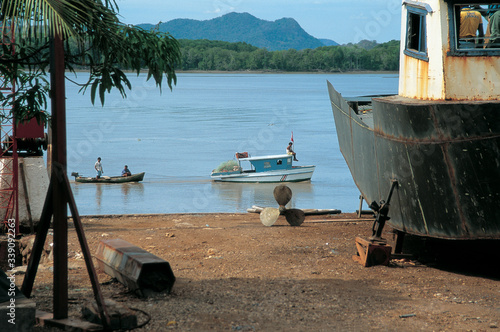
pixel 363 72
pixel 155 215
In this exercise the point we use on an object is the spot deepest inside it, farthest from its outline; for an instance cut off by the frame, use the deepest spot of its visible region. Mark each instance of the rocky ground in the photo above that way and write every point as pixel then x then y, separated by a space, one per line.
pixel 235 274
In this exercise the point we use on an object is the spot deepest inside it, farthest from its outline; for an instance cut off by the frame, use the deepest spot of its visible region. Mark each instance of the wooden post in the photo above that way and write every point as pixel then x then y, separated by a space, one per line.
pixel 60 209
pixel 360 205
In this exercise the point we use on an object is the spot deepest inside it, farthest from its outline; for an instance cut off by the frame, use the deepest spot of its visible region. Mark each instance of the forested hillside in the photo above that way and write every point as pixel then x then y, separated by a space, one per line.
pixel 281 34
pixel 224 56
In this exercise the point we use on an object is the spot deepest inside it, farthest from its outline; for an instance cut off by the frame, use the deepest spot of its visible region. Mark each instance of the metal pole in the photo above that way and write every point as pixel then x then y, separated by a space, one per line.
pixel 360 205
pixel 60 208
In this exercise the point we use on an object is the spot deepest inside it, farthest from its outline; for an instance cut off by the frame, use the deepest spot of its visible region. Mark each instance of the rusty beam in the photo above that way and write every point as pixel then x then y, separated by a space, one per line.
pixel 105 319
pixel 134 267
pixel 41 236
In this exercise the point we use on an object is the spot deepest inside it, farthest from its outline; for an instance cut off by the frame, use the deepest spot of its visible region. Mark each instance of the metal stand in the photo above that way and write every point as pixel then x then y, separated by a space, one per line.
pixel 360 205
pixel 375 250
pixel 9 206
pixel 382 215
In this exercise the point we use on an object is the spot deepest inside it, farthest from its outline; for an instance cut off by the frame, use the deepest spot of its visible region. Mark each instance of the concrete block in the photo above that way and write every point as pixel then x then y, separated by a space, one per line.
pixel 17 314
pixel 37 184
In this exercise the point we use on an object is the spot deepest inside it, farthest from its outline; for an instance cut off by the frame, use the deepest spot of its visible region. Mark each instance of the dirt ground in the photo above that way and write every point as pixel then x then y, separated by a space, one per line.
pixel 235 274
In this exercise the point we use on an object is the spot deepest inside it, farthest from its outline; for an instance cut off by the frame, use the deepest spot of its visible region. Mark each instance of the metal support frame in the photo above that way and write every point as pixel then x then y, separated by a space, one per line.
pixel 9 207
pixel 60 181
pixel 382 214
pixel 375 250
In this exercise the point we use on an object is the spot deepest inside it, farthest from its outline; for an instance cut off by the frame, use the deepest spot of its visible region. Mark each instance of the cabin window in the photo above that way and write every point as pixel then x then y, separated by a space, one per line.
pixel 279 162
pixel 416 34
pixel 475 29
pixel 267 164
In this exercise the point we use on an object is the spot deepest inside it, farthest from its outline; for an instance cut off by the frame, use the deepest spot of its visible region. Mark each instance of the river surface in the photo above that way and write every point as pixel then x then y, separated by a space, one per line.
pixel 178 137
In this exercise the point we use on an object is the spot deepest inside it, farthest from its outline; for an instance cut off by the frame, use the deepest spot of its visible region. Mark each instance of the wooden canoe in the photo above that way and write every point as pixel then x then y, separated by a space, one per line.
pixel 111 179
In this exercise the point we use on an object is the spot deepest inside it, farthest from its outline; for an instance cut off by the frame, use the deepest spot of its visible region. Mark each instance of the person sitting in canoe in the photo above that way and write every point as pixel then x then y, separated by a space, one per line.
pixel 126 171
pixel 290 151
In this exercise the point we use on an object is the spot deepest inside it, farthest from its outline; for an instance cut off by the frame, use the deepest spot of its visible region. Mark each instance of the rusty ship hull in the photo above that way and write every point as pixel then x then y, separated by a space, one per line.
pixel 445 156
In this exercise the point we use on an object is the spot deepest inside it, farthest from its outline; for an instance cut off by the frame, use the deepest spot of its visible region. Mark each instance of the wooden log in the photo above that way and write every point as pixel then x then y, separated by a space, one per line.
pixel 364 212
pixel 338 220
pixel 258 209
pixel 321 211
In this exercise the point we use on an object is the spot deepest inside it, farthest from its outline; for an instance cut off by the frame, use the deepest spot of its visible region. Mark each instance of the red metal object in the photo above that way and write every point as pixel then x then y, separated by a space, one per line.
pixel 134 267
pixel 30 129
pixel 31 138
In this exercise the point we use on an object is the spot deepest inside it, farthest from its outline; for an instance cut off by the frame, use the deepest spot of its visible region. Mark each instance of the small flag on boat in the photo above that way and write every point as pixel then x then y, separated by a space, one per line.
pixel 291 139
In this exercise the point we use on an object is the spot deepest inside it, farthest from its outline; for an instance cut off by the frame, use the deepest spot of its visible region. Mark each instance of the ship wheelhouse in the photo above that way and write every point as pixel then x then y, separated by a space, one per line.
pixel 437 62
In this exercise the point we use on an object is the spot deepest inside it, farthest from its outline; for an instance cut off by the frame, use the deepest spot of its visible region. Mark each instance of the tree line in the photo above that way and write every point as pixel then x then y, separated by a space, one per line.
pixel 224 56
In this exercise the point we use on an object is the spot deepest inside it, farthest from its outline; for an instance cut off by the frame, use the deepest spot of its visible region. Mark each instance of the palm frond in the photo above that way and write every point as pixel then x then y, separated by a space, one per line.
pixel 44 18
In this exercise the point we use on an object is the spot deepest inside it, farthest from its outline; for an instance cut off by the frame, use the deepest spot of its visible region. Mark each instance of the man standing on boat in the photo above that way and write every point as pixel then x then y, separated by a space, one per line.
pixel 289 150
pixel 98 168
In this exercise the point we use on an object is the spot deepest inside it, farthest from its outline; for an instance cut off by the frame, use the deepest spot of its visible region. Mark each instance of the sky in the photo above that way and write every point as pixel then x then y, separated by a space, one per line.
pixel 347 21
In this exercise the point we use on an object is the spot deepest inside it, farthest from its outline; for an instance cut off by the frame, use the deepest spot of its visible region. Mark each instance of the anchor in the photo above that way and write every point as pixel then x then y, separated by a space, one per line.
pixel 375 250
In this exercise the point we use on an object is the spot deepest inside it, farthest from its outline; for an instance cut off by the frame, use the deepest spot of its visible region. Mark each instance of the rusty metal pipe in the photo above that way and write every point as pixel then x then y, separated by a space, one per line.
pixel 134 267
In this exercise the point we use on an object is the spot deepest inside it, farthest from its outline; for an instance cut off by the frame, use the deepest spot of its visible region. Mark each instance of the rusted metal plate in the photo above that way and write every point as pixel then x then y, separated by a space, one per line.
pixel 134 267
pixel 445 156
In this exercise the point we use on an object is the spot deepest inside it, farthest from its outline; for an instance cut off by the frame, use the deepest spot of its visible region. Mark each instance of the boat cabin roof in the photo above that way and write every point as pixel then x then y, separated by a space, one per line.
pixel 277 156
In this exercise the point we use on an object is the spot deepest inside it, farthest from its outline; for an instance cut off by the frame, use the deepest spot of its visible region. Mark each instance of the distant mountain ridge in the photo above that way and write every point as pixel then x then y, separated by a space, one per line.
pixel 282 34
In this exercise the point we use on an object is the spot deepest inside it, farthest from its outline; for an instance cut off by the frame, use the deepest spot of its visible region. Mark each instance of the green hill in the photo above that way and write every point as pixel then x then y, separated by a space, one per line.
pixel 282 34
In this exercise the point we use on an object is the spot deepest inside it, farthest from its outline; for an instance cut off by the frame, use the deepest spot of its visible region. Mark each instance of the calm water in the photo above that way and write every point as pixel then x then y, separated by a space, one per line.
pixel 178 137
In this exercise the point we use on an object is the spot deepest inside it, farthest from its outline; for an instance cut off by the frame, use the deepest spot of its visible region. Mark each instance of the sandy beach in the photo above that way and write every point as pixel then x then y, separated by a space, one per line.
pixel 235 274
